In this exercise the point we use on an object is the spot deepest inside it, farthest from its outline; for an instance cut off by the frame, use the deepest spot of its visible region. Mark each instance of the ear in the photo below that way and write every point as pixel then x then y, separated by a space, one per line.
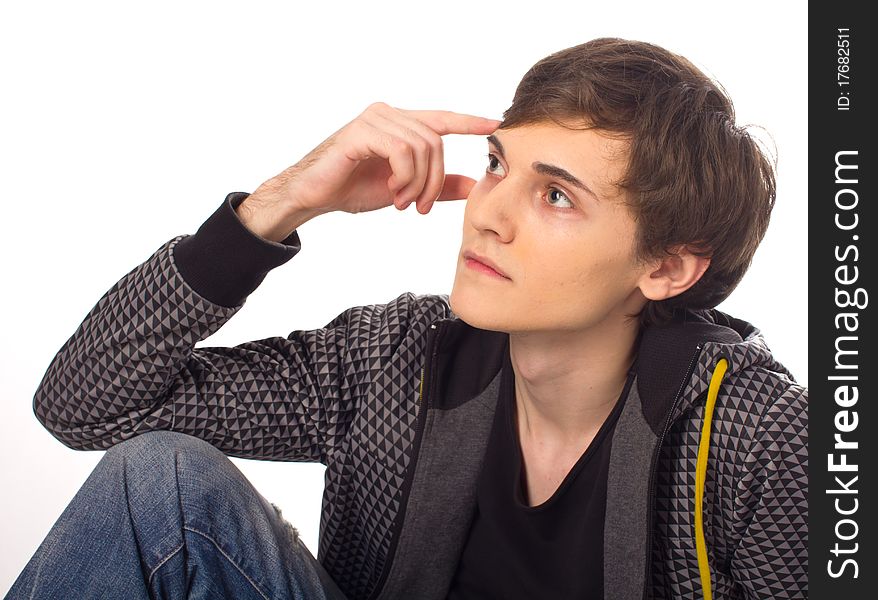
pixel 673 275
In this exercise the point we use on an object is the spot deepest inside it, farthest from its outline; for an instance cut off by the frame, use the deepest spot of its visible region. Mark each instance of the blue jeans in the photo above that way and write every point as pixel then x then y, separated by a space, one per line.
pixel 167 515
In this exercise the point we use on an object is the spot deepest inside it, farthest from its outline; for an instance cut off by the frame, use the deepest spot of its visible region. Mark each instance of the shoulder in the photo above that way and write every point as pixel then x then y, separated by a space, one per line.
pixel 404 312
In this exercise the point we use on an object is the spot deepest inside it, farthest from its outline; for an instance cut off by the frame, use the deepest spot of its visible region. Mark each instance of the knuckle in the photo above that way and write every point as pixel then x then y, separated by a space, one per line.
pixel 421 145
pixel 400 144
pixel 415 140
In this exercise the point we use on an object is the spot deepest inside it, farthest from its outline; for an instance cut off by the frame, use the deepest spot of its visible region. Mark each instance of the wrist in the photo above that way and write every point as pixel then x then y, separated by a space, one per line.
pixel 272 217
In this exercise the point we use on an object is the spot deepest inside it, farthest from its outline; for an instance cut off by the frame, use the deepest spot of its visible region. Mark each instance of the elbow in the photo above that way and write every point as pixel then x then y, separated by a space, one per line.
pixel 50 414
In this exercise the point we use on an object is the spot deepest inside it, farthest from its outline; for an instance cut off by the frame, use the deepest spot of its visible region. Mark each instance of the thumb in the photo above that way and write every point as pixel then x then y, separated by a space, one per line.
pixel 456 187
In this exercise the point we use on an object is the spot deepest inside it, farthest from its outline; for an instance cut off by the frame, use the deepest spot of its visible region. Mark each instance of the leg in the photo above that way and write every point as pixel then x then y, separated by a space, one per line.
pixel 167 515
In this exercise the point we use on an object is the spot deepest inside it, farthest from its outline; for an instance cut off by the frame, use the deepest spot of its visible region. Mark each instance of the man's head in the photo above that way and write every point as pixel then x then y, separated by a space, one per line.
pixel 679 195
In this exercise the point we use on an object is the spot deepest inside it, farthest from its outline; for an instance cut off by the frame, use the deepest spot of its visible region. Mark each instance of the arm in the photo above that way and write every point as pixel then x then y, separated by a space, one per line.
pixel 771 559
pixel 131 366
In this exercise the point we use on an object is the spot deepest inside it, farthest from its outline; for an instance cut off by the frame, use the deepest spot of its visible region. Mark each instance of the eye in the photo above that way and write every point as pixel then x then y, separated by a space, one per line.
pixel 560 193
pixel 494 162
pixel 491 160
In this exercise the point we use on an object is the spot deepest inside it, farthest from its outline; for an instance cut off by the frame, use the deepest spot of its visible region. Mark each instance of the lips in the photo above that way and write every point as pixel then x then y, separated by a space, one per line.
pixel 485 261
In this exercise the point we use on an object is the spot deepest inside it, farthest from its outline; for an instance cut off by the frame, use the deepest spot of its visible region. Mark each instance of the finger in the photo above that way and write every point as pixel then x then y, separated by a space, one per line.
pixel 456 187
pixel 395 150
pixel 444 122
pixel 436 164
pixel 411 132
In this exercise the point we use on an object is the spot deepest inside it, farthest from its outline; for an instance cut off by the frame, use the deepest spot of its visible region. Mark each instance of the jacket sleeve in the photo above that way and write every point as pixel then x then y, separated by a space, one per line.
pixel 771 560
pixel 132 367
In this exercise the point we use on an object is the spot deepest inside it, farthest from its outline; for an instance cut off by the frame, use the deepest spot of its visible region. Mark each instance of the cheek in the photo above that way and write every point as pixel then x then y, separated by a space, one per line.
pixel 600 267
pixel 557 272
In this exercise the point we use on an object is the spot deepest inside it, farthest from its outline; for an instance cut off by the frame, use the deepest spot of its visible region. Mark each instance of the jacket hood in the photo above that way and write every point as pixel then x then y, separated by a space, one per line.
pixel 677 360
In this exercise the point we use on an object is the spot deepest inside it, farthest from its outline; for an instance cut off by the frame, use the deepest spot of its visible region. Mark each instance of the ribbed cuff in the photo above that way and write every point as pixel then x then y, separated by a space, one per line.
pixel 224 261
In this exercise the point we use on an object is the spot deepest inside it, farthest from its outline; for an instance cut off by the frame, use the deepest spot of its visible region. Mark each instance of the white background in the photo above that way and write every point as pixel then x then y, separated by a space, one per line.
pixel 123 125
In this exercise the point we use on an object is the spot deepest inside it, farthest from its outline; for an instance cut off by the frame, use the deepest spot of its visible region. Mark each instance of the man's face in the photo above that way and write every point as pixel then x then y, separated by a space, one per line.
pixel 567 251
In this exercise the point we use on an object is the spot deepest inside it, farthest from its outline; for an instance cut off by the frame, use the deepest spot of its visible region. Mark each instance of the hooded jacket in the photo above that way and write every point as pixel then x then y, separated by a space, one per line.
pixel 397 401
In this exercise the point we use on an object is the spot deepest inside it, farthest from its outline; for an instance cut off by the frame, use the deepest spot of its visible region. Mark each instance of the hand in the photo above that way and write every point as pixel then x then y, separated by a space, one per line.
pixel 384 156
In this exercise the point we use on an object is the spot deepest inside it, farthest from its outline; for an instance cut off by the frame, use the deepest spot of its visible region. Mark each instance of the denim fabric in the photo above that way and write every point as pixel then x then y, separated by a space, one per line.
pixel 167 515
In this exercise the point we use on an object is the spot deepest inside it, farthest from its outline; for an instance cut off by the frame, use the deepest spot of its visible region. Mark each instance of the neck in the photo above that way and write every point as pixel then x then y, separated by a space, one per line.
pixel 567 383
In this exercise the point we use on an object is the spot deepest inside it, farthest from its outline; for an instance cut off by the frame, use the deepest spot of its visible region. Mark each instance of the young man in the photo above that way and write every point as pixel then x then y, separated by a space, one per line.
pixel 575 420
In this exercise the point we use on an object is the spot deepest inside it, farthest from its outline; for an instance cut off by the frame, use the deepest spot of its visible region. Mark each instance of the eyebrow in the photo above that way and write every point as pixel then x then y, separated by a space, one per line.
pixel 547 169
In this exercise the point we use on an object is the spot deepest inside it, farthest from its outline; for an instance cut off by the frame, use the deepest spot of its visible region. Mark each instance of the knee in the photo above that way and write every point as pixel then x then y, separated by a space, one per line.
pixel 160 444
pixel 164 472
pixel 159 465
pixel 168 457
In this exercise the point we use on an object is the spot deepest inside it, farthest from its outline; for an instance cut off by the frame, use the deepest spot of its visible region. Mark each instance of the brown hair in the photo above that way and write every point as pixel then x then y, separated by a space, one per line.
pixel 694 177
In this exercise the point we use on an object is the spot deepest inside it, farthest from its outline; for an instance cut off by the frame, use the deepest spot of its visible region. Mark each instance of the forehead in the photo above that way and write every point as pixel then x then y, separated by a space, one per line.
pixel 599 159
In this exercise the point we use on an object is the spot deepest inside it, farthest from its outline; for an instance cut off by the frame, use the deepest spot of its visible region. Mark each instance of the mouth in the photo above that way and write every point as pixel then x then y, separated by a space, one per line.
pixel 483 265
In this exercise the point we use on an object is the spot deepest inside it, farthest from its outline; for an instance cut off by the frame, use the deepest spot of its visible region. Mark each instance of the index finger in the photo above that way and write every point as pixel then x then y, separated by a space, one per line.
pixel 445 121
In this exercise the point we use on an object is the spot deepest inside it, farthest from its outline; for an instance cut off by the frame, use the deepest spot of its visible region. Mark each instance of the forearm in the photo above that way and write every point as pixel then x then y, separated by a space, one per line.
pixel 134 348
pixel 112 377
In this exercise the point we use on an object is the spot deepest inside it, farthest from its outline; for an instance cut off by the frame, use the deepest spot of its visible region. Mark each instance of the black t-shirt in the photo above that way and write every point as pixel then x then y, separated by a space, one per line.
pixel 553 550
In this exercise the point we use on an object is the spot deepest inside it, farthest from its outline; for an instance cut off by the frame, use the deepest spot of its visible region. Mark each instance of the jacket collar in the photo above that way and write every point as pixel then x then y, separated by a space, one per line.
pixel 668 356
pixel 673 360
pixel 467 360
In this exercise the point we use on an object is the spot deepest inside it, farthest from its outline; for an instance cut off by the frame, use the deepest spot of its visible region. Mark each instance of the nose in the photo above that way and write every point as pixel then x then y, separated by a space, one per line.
pixel 491 208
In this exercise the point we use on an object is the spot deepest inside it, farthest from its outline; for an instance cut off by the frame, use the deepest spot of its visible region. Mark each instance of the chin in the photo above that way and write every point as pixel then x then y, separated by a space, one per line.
pixel 477 309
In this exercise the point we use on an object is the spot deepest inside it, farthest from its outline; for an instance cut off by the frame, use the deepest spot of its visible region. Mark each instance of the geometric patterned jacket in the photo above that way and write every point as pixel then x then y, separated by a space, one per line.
pixel 397 399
